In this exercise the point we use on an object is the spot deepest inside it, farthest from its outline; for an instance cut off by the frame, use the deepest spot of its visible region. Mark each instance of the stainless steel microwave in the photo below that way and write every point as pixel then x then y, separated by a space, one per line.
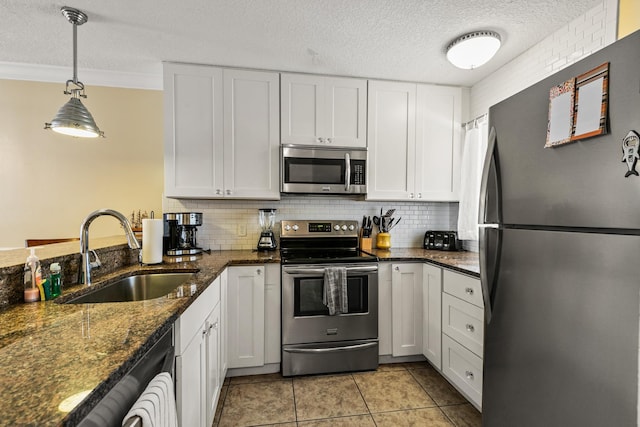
pixel 323 170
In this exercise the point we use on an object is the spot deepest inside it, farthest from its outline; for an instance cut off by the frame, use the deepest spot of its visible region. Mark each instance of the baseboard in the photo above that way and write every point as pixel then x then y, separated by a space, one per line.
pixel 387 358
pixel 270 368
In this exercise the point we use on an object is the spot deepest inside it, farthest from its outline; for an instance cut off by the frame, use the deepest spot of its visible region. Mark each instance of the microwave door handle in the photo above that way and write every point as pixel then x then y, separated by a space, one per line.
pixel 347 172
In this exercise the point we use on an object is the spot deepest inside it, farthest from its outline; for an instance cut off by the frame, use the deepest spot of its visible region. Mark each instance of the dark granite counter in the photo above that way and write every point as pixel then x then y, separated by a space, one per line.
pixel 51 351
pixel 463 262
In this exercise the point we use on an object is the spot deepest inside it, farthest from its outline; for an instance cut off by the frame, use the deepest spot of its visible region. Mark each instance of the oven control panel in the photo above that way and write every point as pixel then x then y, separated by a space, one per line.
pixel 320 228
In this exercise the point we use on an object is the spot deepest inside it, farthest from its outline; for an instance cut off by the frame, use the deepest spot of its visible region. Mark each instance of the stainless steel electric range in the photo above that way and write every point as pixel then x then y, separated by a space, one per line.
pixel 313 341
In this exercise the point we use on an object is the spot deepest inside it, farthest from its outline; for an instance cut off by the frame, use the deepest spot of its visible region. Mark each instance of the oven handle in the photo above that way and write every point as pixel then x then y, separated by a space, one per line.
pixel 294 270
pixel 330 349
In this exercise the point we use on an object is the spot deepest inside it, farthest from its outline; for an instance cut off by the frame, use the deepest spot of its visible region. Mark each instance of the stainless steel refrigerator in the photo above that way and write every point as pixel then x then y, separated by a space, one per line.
pixel 560 260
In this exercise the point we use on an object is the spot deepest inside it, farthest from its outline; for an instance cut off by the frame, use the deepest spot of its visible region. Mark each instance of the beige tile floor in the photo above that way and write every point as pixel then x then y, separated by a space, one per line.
pixel 407 394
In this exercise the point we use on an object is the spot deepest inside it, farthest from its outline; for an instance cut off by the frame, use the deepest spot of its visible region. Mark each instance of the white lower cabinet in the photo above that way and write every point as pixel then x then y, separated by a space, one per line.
pixel 432 314
pixel 385 318
pixel 198 373
pixel 406 308
pixel 246 316
pixel 253 298
pixel 463 334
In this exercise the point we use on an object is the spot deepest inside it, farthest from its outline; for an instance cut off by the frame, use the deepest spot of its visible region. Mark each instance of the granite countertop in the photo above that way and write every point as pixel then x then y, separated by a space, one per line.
pixel 51 351
pixel 463 262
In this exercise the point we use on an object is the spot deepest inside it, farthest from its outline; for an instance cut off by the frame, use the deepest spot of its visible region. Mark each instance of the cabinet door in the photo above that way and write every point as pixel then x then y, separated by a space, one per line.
pixel 272 302
pixel 346 112
pixel 251 135
pixel 191 378
pixel 385 318
pixel 246 316
pixel 213 385
pixel 391 140
pixel 224 324
pixel 432 314
pixel 193 134
pixel 438 145
pixel 406 295
pixel 302 109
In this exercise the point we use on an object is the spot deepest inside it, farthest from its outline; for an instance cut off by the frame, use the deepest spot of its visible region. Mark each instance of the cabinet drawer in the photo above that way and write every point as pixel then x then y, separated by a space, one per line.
pixel 463 322
pixel 189 322
pixel 462 368
pixel 464 287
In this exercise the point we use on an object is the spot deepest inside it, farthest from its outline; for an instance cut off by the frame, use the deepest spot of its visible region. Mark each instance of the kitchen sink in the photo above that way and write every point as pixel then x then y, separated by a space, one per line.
pixel 134 288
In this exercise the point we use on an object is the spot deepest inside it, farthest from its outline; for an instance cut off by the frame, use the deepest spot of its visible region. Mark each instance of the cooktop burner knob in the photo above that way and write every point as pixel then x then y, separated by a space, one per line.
pixel 344 228
pixel 287 227
pixel 295 227
pixel 336 227
pixel 352 227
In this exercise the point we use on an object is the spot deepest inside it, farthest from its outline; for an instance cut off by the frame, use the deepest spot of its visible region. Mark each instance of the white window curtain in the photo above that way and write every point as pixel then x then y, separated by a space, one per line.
pixel 475 147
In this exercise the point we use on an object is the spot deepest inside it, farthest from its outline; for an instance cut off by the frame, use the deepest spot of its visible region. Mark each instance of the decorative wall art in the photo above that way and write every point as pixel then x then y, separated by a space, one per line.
pixel 578 108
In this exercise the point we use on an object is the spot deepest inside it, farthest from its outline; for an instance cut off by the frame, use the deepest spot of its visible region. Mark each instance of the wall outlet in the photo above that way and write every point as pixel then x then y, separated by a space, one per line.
pixel 242 230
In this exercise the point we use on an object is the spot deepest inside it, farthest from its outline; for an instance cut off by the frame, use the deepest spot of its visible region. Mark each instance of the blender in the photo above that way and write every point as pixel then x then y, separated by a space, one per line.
pixel 267 241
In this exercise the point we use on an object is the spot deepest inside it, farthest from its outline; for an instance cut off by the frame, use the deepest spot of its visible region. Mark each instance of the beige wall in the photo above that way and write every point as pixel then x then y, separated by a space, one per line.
pixel 628 17
pixel 50 182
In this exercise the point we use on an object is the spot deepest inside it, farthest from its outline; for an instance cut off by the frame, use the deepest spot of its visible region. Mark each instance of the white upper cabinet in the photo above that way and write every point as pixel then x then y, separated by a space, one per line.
pixel 251 135
pixel 193 153
pixel 392 139
pixel 320 110
pixel 438 144
pixel 219 125
pixel 414 141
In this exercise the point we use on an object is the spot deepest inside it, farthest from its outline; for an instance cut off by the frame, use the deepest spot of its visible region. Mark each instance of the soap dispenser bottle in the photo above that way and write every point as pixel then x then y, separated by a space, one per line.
pixel 56 281
pixel 33 290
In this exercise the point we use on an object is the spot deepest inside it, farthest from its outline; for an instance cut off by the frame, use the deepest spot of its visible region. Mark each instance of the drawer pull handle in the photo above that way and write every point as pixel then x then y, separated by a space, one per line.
pixel 469 291
pixel 470 328
pixel 469 375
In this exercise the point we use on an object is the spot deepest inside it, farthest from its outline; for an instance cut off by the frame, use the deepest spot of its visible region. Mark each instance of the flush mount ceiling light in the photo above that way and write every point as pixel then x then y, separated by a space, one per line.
pixel 474 49
pixel 73 118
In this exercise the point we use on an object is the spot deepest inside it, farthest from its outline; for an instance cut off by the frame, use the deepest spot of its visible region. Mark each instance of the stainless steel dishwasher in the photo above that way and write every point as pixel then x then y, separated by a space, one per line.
pixel 111 410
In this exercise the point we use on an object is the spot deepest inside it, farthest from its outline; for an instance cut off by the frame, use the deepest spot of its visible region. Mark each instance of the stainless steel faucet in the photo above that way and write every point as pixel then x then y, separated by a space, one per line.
pixel 87 265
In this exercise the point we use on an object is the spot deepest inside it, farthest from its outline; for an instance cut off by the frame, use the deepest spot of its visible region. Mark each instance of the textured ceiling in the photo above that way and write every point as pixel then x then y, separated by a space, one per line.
pixel 388 39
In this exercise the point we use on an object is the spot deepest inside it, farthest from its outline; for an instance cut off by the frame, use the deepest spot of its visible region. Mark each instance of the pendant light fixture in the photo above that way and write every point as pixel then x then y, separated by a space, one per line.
pixel 473 49
pixel 73 118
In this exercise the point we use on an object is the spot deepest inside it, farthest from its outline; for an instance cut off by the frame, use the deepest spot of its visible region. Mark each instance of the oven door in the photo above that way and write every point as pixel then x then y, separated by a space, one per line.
pixel 305 319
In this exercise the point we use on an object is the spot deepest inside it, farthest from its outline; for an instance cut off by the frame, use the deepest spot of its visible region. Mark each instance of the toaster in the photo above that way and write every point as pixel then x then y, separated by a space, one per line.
pixel 441 240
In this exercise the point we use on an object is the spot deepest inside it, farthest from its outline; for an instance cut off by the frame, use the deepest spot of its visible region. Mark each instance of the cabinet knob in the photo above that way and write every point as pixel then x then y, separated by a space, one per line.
pixel 397 268
pixel 419 195
pixel 258 272
pixel 469 291
pixel 218 191
pixel 204 332
pixel 228 192
pixel 329 141
pixel 411 195
pixel 320 140
pixel 469 375
pixel 470 328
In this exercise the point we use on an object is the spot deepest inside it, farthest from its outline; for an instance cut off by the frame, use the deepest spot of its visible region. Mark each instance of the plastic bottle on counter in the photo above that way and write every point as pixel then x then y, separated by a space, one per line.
pixel 33 290
pixel 56 280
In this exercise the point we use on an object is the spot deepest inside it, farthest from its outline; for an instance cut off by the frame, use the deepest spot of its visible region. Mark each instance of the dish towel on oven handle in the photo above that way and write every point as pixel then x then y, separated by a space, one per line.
pixel 335 290
pixel 156 407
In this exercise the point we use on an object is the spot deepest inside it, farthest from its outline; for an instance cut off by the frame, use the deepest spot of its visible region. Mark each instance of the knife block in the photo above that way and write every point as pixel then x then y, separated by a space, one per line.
pixel 365 243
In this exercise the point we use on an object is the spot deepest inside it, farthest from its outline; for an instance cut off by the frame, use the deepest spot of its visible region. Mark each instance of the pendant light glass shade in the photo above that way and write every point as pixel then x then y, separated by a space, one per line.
pixel 73 118
pixel 474 49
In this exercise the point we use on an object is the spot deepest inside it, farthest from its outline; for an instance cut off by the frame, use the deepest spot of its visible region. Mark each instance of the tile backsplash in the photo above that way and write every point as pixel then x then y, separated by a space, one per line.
pixel 233 224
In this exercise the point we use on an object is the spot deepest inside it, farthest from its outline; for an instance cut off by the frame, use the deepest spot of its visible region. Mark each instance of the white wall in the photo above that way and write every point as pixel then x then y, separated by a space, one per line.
pixel 579 38
pixel 222 220
pixel 50 182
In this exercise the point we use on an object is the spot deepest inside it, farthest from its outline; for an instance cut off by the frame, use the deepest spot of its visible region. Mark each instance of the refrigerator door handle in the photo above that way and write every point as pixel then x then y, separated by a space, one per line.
pixel 490 248
pixel 489 211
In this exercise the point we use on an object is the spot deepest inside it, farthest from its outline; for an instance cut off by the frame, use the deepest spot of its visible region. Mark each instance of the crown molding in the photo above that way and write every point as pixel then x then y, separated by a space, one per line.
pixel 56 74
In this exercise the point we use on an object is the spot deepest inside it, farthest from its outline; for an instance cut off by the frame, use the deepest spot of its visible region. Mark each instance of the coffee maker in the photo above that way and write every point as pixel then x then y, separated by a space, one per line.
pixel 180 231
pixel 267 219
